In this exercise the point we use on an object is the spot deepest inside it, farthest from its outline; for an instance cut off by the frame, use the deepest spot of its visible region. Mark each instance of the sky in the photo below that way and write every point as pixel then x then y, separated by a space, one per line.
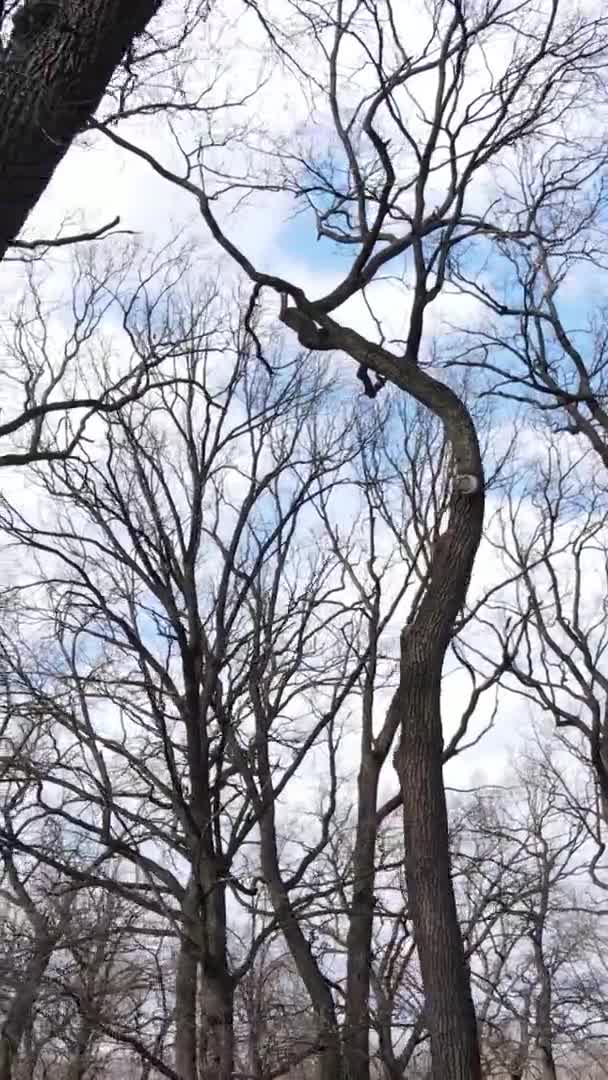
pixel 98 181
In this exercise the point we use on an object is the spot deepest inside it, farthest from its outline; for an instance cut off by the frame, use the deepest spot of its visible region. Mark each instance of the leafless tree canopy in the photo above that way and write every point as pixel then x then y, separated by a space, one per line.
pixel 303 722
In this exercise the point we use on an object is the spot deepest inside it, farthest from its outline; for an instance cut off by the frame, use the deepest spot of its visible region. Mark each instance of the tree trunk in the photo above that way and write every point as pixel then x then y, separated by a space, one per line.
pixel 599 760
pixel 185 1010
pixel 449 1010
pixel 53 76
pixel 374 752
pixel 80 1063
pixel 186 980
pixel 548 1064
pixel 216 1009
pixel 20 1010
pixel 359 939
pixel 217 1040
pixel 544 1032
pixel 330 1057
pixel 7 1055
pixel 448 1001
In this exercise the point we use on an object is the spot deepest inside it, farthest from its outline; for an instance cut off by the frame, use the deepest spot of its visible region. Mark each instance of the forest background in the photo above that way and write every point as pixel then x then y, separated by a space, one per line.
pixel 303 736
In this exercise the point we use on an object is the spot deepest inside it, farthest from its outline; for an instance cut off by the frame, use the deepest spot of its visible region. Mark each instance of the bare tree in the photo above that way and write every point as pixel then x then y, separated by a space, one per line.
pixel 521 847
pixel 243 539
pixel 550 534
pixel 68 361
pixel 26 962
pixel 180 650
pixel 389 188
pixel 530 347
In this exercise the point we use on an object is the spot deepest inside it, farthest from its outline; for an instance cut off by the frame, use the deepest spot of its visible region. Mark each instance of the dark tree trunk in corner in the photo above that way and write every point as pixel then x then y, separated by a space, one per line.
pixel 54 73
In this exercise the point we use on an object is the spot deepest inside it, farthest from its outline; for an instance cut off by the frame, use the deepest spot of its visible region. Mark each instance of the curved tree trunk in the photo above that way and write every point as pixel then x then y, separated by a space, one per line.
pixel 59 61
pixel 449 1005
pixel 329 1056
pixel 448 1009
pixel 419 763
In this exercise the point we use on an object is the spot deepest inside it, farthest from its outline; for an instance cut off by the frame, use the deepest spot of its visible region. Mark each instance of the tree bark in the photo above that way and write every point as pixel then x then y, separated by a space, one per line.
pixel 330 1057
pixel 204 1049
pixel 185 1012
pixel 448 1009
pixel 448 1001
pixel 374 752
pixel 544 1033
pixel 20 1009
pixel 52 78
pixel 217 984
pixel 359 939
pixel 185 992
pixel 217 1037
pixel 81 1061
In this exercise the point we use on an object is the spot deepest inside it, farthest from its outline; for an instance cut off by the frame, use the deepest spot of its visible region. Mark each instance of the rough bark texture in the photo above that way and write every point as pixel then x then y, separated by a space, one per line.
pixel 209 870
pixel 449 1008
pixel 216 1008
pixel 448 1002
pixel 217 985
pixel 58 64
pixel 217 1038
pixel 79 1066
pixel 185 992
pixel 20 1010
pixel 204 1029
